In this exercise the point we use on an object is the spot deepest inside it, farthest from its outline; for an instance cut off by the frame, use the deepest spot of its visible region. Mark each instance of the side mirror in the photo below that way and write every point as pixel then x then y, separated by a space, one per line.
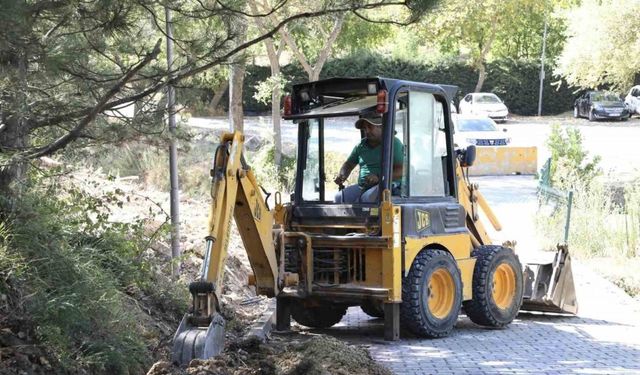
pixel 468 156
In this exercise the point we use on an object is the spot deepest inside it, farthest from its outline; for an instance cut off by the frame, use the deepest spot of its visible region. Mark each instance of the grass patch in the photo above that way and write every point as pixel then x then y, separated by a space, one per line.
pixel 85 285
pixel 599 226
pixel 605 219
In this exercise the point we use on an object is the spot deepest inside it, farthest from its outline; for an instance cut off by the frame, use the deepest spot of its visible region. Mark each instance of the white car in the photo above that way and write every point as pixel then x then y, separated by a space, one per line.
pixel 485 104
pixel 632 100
pixel 478 131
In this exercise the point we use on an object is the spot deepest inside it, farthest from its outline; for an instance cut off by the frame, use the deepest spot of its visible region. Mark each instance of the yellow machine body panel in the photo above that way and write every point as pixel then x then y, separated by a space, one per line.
pixel 459 245
pixel 392 256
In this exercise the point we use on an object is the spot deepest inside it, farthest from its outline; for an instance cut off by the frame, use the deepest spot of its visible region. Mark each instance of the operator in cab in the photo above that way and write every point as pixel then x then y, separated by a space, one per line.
pixel 368 155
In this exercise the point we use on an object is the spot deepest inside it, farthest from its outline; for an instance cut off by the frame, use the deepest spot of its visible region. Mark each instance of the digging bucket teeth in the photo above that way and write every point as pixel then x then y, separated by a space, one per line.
pixel 548 283
pixel 201 331
pixel 192 341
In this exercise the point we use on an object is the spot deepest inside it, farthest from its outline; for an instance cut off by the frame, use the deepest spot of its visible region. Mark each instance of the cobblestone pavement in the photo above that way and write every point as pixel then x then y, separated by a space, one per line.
pixel 603 339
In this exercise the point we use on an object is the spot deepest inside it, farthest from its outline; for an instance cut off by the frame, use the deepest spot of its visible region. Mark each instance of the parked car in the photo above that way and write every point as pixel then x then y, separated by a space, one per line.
pixel 478 130
pixel 597 105
pixel 632 100
pixel 486 104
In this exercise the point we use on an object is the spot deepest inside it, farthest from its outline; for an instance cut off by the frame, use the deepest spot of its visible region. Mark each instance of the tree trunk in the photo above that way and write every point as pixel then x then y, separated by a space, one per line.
pixel 13 136
pixel 484 51
pixel 236 75
pixel 277 132
pixel 236 78
pixel 482 75
pixel 217 97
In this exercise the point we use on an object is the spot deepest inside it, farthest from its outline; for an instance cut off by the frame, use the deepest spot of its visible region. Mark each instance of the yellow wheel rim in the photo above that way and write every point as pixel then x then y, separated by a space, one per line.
pixel 503 288
pixel 441 293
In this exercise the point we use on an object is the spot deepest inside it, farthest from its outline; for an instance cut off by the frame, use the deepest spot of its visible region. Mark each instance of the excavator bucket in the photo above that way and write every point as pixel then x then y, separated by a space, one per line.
pixel 548 283
pixel 192 341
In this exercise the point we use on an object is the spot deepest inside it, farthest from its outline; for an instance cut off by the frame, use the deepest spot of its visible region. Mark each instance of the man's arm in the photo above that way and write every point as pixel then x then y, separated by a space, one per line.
pixel 345 171
pixel 347 167
pixel 397 172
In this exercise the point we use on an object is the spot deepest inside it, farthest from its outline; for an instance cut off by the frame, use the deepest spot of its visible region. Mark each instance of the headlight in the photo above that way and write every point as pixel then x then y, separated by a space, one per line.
pixel 508 140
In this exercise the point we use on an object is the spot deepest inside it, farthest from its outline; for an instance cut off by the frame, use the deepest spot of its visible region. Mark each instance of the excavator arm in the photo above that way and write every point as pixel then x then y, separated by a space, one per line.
pixel 234 194
pixel 473 201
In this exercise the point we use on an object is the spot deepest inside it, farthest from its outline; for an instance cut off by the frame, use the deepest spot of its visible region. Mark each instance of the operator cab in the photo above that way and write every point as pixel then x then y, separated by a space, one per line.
pixel 415 123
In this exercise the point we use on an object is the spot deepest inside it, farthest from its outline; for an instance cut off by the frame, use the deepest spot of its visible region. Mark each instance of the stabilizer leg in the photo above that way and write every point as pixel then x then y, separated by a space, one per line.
pixel 283 314
pixel 391 321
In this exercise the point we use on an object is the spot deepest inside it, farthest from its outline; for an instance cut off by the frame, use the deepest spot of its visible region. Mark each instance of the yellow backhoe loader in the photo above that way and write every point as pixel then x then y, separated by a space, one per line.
pixel 409 247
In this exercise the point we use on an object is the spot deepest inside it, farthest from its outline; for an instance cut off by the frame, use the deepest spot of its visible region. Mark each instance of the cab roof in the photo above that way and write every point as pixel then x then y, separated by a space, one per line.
pixel 347 96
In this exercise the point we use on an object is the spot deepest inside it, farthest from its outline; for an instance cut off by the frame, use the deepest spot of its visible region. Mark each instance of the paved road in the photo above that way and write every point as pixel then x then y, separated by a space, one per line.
pixel 603 339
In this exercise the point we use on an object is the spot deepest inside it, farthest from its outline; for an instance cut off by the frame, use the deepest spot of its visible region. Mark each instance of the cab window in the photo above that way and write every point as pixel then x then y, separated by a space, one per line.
pixel 419 123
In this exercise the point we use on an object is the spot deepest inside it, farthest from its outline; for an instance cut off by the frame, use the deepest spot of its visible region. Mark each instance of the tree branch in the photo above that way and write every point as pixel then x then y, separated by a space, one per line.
pixel 99 107
pixel 189 69
pixel 326 51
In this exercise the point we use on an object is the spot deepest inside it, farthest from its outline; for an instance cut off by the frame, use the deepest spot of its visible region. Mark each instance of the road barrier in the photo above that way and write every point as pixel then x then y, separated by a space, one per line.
pixel 501 160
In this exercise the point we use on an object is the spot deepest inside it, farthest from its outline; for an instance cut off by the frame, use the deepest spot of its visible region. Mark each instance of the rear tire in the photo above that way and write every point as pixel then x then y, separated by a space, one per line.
pixel 497 287
pixel 374 309
pixel 323 316
pixel 431 294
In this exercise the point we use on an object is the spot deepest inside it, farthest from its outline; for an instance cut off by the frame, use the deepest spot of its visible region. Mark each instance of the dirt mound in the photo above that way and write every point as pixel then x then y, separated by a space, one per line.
pixel 21 354
pixel 282 355
pixel 327 355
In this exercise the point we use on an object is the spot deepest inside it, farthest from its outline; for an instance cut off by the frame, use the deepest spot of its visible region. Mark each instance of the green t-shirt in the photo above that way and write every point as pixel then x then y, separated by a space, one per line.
pixel 370 159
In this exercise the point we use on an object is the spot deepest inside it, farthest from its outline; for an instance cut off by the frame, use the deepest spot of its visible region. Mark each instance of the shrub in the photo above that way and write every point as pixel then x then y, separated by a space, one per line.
pixel 515 81
pixel 267 174
pixel 600 225
pixel 570 165
pixel 81 279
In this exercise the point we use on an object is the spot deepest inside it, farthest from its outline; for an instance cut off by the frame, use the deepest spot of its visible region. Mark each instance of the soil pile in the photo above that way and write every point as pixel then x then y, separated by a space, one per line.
pixel 282 355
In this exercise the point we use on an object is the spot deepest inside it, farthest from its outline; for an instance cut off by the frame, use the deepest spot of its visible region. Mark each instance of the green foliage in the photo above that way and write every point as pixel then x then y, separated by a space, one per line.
pixel 264 89
pixel 570 165
pixel 602 44
pixel 267 173
pixel 602 222
pixel 523 38
pixel 515 81
pixel 78 274
pixel 599 226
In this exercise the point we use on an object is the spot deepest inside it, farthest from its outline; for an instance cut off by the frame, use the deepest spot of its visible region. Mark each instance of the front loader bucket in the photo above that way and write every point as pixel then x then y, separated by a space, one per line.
pixel 548 284
pixel 191 341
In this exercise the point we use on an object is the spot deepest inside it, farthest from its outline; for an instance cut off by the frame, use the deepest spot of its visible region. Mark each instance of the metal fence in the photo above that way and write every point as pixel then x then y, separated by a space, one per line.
pixel 547 194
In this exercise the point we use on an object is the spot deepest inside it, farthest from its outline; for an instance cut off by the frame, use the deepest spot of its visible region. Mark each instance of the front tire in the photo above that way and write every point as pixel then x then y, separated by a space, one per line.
pixel 323 316
pixel 576 113
pixel 592 117
pixel 431 294
pixel 497 287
